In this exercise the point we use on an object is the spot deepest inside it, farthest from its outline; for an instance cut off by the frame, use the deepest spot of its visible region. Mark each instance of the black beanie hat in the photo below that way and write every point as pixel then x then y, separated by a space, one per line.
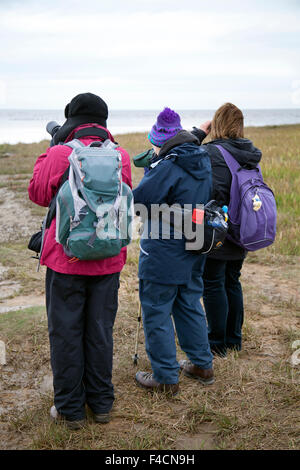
pixel 84 108
pixel 87 104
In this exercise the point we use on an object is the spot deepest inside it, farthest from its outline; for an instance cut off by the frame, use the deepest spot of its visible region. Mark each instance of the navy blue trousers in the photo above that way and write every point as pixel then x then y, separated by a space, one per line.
pixel 81 312
pixel 159 302
pixel 223 302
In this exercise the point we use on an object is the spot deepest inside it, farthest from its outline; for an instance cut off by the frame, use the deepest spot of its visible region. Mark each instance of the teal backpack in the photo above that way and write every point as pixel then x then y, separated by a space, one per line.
pixel 94 208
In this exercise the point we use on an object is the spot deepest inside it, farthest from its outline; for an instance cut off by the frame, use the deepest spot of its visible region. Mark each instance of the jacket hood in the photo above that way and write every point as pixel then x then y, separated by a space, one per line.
pixel 185 151
pixel 242 150
pixel 72 123
pixel 71 136
pixel 181 137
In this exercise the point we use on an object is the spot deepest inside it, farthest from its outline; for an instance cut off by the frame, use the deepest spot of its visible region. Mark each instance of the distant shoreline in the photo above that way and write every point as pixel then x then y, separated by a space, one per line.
pixel 140 133
pixel 30 125
pixel 182 110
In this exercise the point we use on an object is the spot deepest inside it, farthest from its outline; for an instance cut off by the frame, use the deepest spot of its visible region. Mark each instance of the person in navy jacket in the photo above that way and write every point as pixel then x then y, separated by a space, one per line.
pixel 171 277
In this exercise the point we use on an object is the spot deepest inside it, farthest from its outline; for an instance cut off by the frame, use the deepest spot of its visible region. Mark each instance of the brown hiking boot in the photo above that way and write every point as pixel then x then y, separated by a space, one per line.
pixel 147 381
pixel 205 376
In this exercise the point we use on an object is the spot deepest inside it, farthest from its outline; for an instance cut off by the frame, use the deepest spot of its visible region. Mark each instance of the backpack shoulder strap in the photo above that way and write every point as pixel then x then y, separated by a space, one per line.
pixel 109 144
pixel 231 162
pixel 74 144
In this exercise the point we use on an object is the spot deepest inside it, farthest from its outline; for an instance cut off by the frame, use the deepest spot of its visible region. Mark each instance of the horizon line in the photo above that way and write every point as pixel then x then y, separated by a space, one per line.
pixel 150 109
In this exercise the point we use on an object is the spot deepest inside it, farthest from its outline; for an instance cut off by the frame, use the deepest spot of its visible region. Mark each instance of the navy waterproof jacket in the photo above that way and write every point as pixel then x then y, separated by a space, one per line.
pixel 182 177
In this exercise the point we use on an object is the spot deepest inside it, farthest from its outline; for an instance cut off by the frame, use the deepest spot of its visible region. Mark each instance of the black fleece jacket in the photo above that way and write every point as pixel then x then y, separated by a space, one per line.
pixel 247 156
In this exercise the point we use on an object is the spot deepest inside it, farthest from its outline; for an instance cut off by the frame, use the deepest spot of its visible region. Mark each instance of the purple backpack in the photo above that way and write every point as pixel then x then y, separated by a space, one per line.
pixel 252 207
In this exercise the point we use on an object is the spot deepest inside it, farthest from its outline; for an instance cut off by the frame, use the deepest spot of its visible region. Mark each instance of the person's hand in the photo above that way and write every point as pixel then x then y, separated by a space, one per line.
pixel 206 126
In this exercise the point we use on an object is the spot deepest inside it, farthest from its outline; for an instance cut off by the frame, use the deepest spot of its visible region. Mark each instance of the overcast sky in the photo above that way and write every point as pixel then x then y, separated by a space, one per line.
pixel 146 54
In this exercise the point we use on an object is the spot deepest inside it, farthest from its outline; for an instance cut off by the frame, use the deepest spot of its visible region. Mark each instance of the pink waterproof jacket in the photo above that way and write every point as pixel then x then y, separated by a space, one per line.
pixel 48 171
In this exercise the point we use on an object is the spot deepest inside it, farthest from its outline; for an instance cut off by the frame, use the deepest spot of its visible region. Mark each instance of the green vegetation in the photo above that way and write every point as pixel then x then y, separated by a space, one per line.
pixel 254 401
pixel 281 170
pixel 21 322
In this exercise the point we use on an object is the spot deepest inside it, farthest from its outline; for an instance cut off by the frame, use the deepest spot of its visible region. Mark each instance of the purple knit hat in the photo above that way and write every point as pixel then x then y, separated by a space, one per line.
pixel 167 126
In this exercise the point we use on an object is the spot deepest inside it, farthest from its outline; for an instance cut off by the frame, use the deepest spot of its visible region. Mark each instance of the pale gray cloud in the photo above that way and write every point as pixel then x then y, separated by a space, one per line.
pixel 142 54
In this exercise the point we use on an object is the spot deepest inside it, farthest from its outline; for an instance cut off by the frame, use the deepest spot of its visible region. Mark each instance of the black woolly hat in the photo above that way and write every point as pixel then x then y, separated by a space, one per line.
pixel 84 108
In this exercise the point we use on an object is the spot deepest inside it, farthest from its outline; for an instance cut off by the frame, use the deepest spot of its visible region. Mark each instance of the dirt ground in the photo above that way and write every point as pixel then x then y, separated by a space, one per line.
pixel 272 302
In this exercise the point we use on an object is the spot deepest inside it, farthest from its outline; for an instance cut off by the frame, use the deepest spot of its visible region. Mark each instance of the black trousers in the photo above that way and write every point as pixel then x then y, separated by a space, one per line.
pixel 81 312
pixel 223 301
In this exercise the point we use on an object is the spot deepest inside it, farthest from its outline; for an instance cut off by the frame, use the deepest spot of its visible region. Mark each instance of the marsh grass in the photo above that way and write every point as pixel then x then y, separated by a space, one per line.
pixel 280 146
pixel 254 402
pixel 252 405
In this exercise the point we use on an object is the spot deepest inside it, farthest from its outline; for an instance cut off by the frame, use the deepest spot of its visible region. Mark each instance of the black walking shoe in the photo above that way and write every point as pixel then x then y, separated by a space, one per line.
pixel 234 347
pixel 74 425
pixel 102 418
pixel 218 351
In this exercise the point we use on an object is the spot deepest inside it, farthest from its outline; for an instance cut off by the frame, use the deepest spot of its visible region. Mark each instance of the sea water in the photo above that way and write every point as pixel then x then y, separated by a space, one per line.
pixel 19 125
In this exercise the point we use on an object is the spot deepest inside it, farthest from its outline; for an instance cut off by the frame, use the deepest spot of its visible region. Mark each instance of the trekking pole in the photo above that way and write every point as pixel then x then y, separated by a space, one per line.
pixel 139 319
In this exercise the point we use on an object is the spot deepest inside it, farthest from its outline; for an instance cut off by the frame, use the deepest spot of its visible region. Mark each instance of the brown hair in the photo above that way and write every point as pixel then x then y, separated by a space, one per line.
pixel 227 123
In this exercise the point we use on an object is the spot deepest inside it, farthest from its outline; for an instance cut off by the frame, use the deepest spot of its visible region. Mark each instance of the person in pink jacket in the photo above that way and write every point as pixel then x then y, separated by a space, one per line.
pixel 81 296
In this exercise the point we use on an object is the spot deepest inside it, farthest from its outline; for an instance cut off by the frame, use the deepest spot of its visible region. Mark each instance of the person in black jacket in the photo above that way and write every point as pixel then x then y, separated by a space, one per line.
pixel 223 296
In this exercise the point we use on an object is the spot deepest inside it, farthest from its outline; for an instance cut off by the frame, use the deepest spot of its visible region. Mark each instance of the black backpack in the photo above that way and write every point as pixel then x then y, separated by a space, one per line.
pixel 215 226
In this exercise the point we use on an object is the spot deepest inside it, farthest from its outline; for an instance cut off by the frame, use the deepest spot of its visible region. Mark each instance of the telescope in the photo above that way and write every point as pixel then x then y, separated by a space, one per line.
pixel 52 127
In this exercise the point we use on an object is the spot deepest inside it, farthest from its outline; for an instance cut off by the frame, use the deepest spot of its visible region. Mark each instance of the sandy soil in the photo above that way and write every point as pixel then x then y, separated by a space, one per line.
pixel 15 219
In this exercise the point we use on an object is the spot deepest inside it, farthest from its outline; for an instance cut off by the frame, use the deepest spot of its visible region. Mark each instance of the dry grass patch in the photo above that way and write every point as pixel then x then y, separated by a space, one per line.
pixel 254 401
